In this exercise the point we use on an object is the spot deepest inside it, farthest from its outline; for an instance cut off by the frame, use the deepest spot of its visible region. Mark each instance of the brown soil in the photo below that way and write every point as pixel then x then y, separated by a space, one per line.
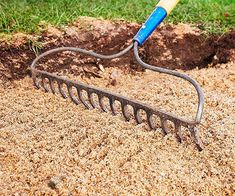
pixel 174 47
pixel 49 146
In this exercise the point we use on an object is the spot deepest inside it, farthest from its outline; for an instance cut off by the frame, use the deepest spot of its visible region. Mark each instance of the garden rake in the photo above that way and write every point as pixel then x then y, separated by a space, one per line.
pixel 41 78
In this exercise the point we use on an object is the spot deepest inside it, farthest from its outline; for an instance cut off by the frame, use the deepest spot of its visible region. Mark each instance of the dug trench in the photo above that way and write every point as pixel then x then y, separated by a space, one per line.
pixel 171 46
pixel 49 145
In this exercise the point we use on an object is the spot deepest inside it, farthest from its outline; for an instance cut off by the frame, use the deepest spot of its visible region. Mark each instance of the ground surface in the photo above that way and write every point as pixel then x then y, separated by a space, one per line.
pixel 50 145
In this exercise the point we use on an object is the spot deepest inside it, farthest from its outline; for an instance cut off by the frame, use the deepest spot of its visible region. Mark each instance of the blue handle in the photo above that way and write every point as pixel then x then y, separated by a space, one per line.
pixel 155 19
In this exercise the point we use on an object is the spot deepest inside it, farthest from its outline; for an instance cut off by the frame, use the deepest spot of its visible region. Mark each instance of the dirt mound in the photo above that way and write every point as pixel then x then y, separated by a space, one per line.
pixel 174 47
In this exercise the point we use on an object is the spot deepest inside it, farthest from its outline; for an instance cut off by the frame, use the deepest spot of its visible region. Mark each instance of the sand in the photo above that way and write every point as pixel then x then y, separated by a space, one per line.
pixel 50 146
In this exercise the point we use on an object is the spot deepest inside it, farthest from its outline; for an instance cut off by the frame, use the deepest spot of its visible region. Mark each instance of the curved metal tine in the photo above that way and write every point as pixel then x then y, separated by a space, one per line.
pixel 164 126
pixel 37 84
pixel 61 90
pixel 81 98
pixel 195 137
pixel 91 100
pixel 71 95
pixel 44 85
pixel 36 80
pixel 101 103
pixel 151 123
pixel 52 86
pixel 125 112
pixel 138 118
pixel 178 132
pixel 112 107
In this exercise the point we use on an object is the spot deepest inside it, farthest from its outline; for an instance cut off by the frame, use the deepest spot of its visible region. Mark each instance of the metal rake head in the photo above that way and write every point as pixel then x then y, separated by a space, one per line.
pixel 81 93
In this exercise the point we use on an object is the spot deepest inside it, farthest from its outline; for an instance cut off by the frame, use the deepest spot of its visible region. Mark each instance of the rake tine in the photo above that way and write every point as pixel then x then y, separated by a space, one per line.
pixel 178 132
pixel 36 78
pixel 44 85
pixel 101 103
pixel 150 121
pixel 82 99
pixel 91 100
pixel 137 116
pixel 195 137
pixel 111 102
pixel 125 112
pixel 52 85
pixel 61 90
pixel 71 95
pixel 36 81
pixel 165 128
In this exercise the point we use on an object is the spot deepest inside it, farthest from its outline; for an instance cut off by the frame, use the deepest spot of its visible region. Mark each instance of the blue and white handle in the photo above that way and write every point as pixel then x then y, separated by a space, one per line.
pixel 163 9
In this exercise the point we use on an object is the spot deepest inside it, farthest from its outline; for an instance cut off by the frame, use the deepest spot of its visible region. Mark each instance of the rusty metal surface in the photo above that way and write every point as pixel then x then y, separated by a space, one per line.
pixel 76 90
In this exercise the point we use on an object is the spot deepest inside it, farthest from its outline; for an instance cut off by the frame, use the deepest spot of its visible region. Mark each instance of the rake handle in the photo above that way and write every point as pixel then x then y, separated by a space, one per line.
pixel 163 9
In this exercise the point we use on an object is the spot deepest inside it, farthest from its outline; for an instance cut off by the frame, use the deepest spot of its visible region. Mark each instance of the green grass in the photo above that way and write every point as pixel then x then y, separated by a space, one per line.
pixel 30 16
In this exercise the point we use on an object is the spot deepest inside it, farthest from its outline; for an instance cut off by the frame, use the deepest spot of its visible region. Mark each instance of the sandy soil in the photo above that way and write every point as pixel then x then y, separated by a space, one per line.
pixel 48 145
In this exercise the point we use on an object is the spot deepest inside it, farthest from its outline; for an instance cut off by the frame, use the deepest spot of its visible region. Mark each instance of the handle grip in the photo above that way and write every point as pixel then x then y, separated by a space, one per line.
pixel 162 10
pixel 168 5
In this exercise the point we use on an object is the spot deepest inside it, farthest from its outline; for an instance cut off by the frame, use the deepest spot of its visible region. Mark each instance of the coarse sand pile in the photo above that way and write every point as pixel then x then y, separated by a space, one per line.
pixel 49 145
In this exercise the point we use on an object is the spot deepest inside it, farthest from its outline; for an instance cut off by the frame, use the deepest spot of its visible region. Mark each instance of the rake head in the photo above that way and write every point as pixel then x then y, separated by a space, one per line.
pixel 76 92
